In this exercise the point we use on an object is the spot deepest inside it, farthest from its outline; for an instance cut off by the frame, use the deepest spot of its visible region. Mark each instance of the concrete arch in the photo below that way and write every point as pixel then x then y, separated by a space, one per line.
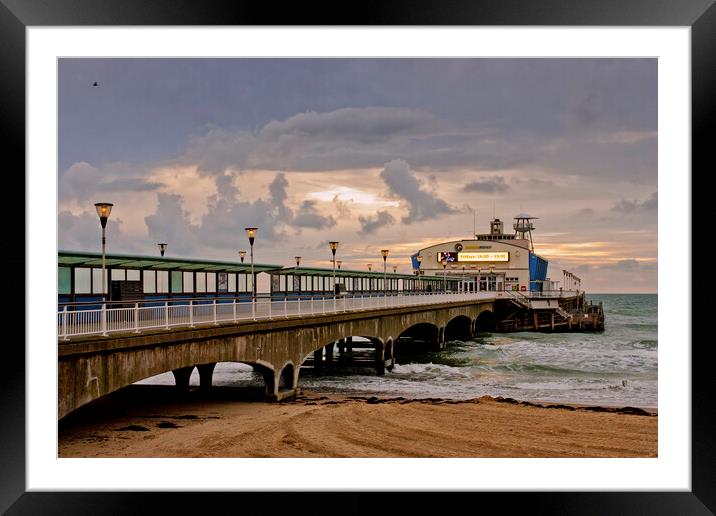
pixel 89 368
pixel 485 322
pixel 459 328
pixel 287 378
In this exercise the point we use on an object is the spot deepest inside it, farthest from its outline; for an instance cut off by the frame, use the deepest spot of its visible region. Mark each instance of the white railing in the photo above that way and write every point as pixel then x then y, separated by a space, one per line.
pixel 73 320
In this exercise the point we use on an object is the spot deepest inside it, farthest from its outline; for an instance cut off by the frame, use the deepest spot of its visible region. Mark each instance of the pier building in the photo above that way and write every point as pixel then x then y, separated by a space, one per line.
pixel 494 261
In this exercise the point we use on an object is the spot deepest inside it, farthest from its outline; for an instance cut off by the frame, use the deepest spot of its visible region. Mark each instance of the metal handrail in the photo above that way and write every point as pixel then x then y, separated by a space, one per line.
pixel 172 312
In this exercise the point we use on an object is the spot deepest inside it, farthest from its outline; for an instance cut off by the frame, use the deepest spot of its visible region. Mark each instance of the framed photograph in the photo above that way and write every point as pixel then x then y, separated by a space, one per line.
pixel 646 73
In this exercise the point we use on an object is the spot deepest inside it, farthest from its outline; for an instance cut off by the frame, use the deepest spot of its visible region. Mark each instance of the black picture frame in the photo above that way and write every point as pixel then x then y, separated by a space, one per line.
pixel 17 15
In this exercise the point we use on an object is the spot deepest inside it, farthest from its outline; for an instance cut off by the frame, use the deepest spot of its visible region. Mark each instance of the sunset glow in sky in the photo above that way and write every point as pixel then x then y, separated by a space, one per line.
pixel 373 153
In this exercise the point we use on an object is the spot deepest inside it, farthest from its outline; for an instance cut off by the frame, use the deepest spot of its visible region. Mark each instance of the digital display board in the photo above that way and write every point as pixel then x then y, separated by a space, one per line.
pixel 484 257
pixel 448 257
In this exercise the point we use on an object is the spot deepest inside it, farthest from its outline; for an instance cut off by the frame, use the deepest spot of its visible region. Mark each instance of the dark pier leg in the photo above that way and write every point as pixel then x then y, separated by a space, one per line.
pixel 349 344
pixel 181 377
pixel 206 372
pixel 341 346
pixel 379 360
pixel 329 356
pixel 318 361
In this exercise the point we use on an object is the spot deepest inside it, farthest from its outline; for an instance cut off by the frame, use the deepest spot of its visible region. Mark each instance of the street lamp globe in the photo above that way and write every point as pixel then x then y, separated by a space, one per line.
pixel 242 255
pixel 162 248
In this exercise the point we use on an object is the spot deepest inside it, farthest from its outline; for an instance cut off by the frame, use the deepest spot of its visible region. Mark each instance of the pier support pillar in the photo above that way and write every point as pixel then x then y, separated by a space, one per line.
pixel 181 377
pixel 552 321
pixel 349 344
pixel 379 360
pixel 329 356
pixel 318 361
pixel 206 373
pixel 535 319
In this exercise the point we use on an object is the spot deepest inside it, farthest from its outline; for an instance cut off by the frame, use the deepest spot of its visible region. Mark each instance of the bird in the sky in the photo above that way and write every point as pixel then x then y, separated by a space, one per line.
pixel 95 84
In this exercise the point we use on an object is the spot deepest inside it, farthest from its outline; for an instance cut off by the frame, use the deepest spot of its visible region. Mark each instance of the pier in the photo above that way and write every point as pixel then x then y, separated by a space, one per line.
pixel 105 349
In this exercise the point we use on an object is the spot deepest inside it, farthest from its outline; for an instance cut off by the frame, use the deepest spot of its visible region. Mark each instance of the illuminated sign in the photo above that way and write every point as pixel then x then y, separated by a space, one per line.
pixel 483 257
pixel 448 257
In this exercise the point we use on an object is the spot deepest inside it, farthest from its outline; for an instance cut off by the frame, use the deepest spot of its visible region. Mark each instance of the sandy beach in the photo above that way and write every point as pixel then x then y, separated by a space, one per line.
pixel 153 421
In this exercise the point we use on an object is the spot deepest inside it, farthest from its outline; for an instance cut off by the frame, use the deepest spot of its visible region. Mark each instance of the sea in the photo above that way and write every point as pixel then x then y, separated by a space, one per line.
pixel 617 367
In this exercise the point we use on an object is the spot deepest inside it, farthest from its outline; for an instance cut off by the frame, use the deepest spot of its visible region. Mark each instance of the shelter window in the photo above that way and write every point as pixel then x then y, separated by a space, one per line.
pixel 64 280
pixel 132 275
pixel 200 281
pixel 96 281
pixel 211 282
pixel 249 283
pixel 176 281
pixel 163 281
pixel 232 282
pixel 119 274
pixel 188 282
pixel 150 282
pixel 82 280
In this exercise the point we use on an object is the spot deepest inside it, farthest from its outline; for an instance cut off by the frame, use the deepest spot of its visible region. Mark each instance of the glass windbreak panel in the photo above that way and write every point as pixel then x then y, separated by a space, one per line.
pixel 162 282
pixel 211 282
pixel 289 283
pixel 118 274
pixel 242 282
pixel 303 283
pixel 282 283
pixel 150 282
pixel 132 275
pixel 176 281
pixel 200 281
pixel 249 283
pixel 64 280
pixel 188 282
pixel 82 280
pixel 232 282
pixel 97 281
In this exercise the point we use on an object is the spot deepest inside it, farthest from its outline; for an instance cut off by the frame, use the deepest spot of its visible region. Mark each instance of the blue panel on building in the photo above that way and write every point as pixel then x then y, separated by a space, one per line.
pixel 538 271
pixel 414 260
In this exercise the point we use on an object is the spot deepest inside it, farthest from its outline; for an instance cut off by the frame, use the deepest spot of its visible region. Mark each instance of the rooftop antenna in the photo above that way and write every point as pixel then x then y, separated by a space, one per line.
pixel 524 225
pixel 474 226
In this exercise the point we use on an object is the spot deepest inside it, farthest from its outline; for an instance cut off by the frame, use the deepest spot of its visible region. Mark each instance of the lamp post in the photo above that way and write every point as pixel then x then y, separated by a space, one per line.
pixel 384 254
pixel 162 248
pixel 444 262
pixel 334 246
pixel 251 233
pixel 242 255
pixel 103 211
pixel 420 280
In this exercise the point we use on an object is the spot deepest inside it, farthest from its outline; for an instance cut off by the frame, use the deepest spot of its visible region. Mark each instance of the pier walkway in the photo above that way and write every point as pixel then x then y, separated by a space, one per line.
pixel 107 347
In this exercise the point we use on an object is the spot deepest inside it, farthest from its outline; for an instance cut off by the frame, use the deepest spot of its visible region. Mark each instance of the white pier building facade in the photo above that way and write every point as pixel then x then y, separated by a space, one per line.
pixel 492 261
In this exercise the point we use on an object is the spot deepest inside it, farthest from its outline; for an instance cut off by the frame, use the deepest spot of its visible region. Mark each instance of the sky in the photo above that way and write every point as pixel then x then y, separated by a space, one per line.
pixel 394 154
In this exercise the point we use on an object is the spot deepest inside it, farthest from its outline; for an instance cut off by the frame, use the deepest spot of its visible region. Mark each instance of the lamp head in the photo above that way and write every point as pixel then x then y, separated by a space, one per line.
pixel 339 262
pixel 298 260
pixel 162 248
pixel 251 233
pixel 103 211
pixel 370 267
pixel 384 253
pixel 242 255
pixel 334 246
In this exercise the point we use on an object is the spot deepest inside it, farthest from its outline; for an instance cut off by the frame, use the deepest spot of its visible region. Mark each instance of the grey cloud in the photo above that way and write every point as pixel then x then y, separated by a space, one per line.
pixel 635 206
pixel 494 184
pixel 308 217
pixel 371 224
pixel 81 181
pixel 403 184
pixel 170 223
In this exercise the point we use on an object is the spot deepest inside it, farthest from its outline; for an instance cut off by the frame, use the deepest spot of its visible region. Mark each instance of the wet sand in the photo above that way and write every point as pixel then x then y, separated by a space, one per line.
pixel 154 421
